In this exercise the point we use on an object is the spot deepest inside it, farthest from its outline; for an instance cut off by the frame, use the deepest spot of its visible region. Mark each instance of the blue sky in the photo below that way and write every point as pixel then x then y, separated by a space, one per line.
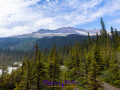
pixel 26 16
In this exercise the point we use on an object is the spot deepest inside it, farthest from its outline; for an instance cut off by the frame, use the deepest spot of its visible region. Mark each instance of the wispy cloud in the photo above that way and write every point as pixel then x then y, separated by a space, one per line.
pixel 116 21
pixel 25 16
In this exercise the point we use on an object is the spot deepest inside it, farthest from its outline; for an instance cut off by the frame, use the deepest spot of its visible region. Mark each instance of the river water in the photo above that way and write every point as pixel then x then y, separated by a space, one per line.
pixel 11 68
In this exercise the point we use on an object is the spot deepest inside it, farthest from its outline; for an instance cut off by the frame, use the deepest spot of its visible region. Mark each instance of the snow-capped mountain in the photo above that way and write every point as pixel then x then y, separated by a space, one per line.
pixel 58 32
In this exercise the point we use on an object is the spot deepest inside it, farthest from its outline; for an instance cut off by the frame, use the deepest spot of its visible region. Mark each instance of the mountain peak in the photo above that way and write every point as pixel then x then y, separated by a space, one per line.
pixel 66 28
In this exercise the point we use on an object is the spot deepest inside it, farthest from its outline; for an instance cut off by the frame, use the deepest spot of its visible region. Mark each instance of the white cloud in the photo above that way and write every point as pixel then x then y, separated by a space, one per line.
pixel 25 16
pixel 116 21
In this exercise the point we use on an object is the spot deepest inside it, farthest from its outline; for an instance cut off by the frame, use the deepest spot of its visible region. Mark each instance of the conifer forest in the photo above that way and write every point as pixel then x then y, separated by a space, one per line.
pixel 84 65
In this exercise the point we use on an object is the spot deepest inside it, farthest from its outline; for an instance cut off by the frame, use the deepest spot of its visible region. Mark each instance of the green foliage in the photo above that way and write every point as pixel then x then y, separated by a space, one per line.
pixel 81 62
pixel 54 66
pixel 93 83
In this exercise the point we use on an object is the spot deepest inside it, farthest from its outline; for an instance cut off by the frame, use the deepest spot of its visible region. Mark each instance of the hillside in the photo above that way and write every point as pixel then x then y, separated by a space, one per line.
pixel 45 38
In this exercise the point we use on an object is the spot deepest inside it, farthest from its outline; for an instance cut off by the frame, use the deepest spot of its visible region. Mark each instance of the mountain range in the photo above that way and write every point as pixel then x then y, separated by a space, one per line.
pixel 58 32
pixel 45 38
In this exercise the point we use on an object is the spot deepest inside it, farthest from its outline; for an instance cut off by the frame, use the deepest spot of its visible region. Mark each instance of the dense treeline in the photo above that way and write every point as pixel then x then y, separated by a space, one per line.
pixel 14 43
pixel 85 63
pixel 8 57
pixel 27 44
pixel 60 41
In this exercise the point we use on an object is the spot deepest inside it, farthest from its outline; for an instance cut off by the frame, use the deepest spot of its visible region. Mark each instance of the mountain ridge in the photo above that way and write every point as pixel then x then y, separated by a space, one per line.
pixel 45 38
pixel 64 31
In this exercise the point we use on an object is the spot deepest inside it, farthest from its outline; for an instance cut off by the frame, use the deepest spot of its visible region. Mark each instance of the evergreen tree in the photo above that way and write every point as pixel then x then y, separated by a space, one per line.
pixel 88 40
pixel 40 70
pixel 97 57
pixel 54 66
pixel 93 83
pixel 113 34
pixel 103 32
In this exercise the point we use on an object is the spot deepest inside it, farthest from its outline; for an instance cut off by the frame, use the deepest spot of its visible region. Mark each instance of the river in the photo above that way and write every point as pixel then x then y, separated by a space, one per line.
pixel 11 68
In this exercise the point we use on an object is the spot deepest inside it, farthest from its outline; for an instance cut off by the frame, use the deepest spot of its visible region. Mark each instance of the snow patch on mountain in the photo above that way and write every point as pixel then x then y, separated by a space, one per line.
pixel 82 32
